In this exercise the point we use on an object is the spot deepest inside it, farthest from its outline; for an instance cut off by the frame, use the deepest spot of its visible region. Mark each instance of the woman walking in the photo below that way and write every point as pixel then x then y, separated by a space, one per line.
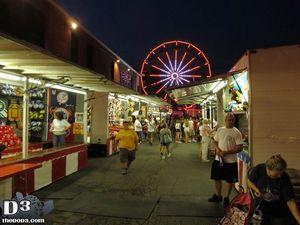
pixel 59 127
pixel 186 129
pixel 178 131
pixel 165 141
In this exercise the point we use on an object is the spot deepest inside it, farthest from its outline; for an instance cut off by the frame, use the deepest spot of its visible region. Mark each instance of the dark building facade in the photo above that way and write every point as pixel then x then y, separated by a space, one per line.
pixel 45 24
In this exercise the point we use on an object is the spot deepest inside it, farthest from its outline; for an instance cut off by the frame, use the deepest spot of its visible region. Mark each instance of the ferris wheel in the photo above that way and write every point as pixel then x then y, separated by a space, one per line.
pixel 173 63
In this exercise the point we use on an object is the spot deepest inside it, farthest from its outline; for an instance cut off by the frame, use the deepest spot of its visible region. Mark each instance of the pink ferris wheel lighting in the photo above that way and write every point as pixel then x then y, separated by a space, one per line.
pixel 173 63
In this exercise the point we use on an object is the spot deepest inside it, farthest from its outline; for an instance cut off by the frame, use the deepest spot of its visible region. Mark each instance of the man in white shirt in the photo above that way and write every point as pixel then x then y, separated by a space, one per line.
pixel 138 128
pixel 228 141
pixel 205 132
pixel 151 128
pixel 191 129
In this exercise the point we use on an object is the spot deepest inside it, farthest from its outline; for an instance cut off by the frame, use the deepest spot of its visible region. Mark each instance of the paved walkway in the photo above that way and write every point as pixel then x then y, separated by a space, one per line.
pixel 172 191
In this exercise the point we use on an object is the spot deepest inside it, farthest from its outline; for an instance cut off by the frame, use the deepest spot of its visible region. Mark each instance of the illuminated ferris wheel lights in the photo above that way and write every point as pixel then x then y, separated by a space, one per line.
pixel 158 82
pixel 174 76
pixel 183 57
pixel 185 80
pixel 169 65
pixel 171 82
pixel 190 75
pixel 187 64
pixel 159 75
pixel 180 81
pixel 168 56
pixel 176 53
pixel 163 86
pixel 164 64
pixel 194 68
pixel 156 67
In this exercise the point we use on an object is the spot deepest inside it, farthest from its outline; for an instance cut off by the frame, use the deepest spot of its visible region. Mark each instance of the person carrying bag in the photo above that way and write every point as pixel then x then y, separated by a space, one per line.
pixel 165 141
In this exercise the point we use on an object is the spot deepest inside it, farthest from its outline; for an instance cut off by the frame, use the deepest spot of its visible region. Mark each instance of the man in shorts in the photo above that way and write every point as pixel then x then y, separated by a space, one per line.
pixel 128 144
pixel 228 141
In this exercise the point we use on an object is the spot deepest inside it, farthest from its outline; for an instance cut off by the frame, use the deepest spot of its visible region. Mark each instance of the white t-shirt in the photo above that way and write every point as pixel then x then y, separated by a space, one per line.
pixel 59 126
pixel 227 139
pixel 151 127
pixel 178 126
pixel 186 128
pixel 191 124
pixel 138 126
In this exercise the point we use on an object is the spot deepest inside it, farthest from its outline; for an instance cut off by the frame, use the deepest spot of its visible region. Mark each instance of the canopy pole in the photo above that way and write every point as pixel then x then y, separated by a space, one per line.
pixel 85 109
pixel 25 120
pixel 210 114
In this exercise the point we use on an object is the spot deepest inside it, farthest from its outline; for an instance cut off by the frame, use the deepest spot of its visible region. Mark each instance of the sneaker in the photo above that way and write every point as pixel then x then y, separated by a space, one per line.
pixel 169 154
pixel 124 171
pixel 205 160
pixel 163 157
pixel 226 203
pixel 215 198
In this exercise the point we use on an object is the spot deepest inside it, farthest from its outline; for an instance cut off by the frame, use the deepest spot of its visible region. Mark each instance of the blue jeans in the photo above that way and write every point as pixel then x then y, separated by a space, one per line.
pixel 58 140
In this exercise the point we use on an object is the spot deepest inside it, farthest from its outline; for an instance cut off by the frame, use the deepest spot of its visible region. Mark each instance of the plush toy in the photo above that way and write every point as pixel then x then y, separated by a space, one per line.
pixel 8 136
pixel 14 112
pixel 36 104
pixel 41 105
pixel 8 90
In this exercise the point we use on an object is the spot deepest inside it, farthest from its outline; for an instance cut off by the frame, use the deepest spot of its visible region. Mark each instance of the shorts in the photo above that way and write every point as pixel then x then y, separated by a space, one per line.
pixel 227 172
pixel 165 144
pixel 178 130
pixel 126 155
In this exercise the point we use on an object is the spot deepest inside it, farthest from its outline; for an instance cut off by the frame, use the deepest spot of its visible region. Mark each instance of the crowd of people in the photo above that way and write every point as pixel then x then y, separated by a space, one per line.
pixel 180 130
pixel 274 193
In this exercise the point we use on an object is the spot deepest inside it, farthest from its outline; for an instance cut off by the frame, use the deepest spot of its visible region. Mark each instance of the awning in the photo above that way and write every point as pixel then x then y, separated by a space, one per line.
pixel 153 99
pixel 201 91
pixel 28 60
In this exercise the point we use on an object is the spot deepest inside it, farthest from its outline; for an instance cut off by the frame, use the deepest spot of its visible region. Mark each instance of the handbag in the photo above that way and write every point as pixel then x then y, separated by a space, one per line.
pixel 167 139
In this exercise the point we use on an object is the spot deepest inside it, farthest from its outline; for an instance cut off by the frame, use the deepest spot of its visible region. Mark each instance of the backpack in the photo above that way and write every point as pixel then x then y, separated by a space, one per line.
pixel 166 138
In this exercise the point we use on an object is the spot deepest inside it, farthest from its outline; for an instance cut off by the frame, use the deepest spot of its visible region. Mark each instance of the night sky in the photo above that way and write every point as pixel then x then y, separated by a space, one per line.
pixel 222 29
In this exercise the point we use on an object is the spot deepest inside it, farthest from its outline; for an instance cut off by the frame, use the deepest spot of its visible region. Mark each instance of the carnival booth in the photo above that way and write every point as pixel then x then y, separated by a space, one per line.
pixel 273 76
pixel 120 108
pixel 28 101
pixel 218 95
pixel 26 113
pixel 260 91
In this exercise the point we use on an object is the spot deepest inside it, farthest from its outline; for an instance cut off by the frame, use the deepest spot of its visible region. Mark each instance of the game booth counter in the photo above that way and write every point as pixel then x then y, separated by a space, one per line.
pixel 27 108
